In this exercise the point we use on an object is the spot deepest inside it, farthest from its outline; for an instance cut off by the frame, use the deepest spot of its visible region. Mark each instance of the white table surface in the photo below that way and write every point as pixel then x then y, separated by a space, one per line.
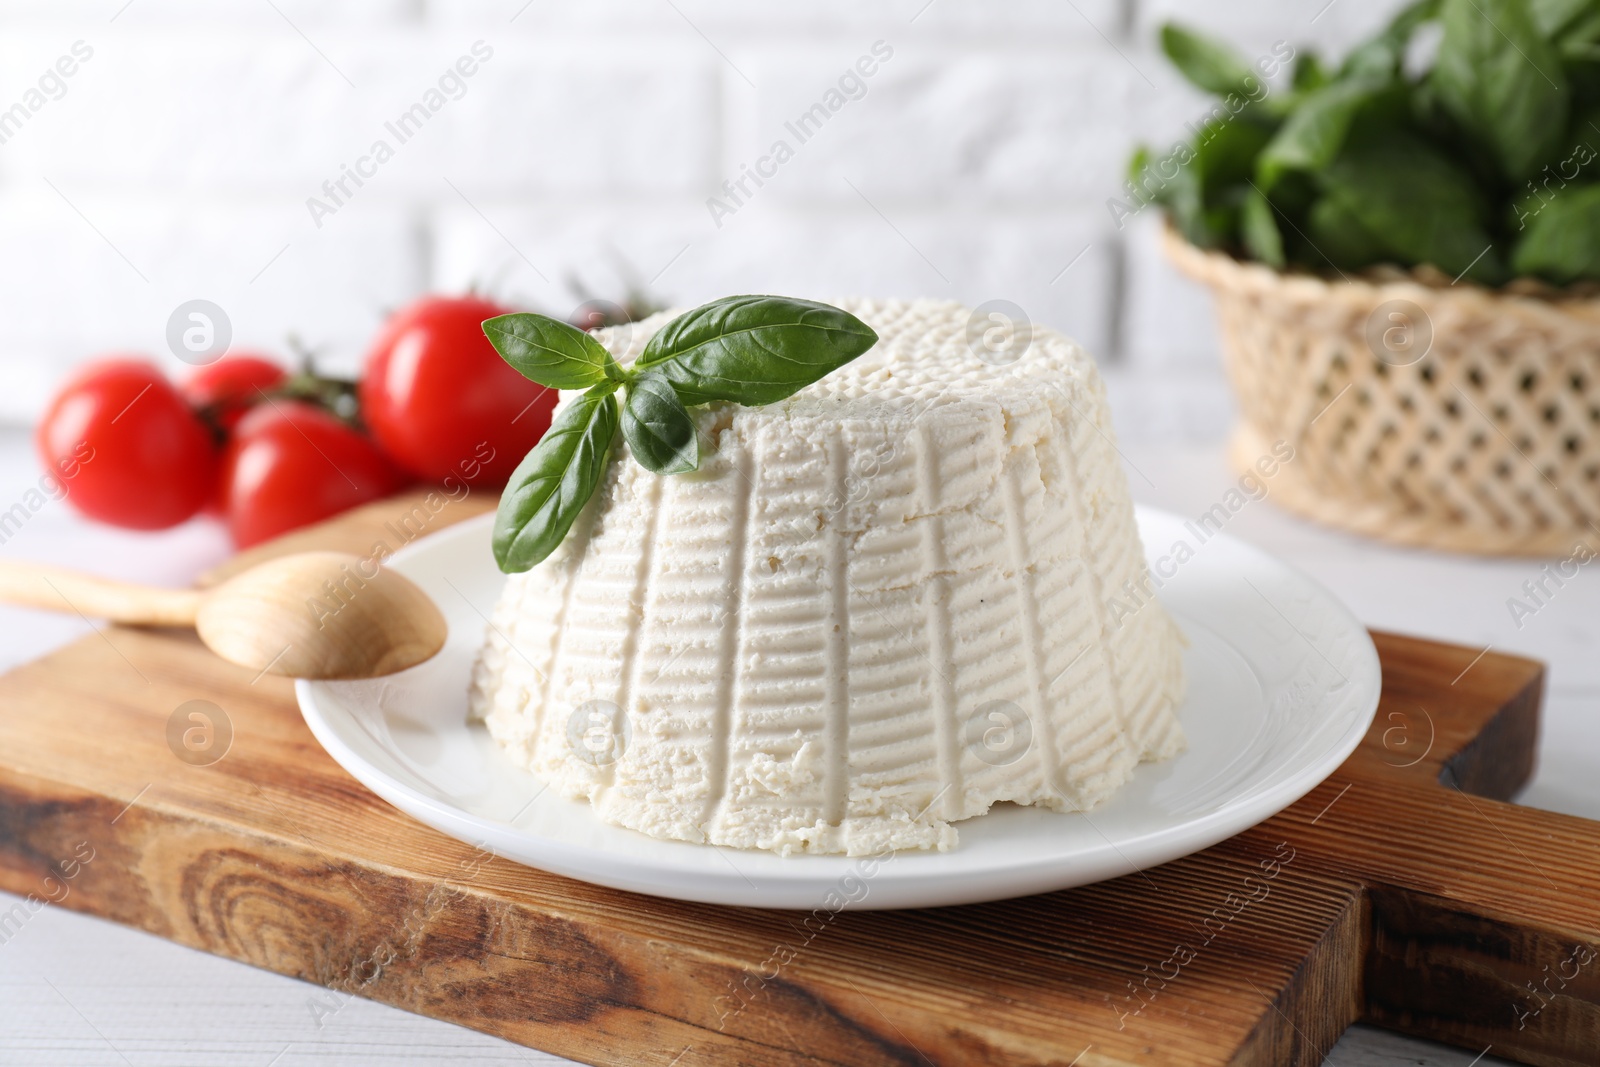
pixel 78 990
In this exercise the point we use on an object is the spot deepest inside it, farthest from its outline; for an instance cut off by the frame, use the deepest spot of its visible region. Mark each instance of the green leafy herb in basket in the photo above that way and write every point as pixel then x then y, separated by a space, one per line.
pixel 1484 162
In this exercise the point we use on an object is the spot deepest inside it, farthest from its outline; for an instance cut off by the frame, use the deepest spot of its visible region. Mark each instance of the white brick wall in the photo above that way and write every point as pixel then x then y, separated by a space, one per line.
pixel 977 164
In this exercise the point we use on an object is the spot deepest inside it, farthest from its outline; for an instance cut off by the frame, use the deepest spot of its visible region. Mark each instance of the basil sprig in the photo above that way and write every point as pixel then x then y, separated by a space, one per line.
pixel 751 350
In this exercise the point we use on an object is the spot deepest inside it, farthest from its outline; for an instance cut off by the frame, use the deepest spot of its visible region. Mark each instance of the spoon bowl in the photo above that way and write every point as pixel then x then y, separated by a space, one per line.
pixel 321 615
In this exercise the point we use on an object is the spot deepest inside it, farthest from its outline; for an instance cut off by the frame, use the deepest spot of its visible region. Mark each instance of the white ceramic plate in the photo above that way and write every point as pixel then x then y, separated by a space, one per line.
pixel 1282 684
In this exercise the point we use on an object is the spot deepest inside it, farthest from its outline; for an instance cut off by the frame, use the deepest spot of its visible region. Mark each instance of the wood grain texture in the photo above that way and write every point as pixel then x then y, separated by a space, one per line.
pixel 1401 890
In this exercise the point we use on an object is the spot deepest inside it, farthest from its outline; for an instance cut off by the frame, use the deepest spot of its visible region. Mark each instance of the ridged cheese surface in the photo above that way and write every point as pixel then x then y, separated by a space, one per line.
pixel 878 608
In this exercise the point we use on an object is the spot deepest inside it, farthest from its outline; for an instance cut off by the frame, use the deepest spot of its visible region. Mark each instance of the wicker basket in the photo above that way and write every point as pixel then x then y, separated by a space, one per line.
pixel 1422 413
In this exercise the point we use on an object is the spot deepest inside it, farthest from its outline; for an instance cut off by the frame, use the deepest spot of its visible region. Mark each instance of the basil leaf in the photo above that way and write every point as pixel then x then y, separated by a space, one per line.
pixel 1225 154
pixel 1308 74
pixel 1209 64
pixel 1179 193
pixel 754 349
pixel 1338 239
pixel 1208 182
pixel 1189 213
pixel 1503 81
pixel 1562 242
pixel 1553 16
pixel 658 427
pixel 1316 130
pixel 1414 200
pixel 1581 41
pixel 549 351
pixel 554 481
pixel 1258 226
pixel 1381 57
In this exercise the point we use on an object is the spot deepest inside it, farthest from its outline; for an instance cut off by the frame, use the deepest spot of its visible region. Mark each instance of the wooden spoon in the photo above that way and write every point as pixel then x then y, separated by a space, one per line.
pixel 306 615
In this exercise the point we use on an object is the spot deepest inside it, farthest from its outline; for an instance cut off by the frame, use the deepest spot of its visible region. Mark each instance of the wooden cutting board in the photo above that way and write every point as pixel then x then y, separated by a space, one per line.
pixel 1403 891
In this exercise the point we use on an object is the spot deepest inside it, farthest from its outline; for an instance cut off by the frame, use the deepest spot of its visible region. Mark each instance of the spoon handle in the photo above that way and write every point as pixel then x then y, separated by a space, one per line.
pixel 40 585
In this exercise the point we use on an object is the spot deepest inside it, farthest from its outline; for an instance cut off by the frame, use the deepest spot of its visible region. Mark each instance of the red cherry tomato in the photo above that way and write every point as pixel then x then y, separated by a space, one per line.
pixel 126 446
pixel 226 390
pixel 442 402
pixel 290 464
pixel 231 386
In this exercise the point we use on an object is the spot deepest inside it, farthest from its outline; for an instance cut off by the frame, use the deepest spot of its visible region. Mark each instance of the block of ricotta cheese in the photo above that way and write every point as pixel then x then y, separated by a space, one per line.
pixel 879 608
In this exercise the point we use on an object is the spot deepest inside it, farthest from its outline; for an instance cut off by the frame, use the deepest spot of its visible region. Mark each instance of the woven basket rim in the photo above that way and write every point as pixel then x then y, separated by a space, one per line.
pixel 1507 468
pixel 1222 271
